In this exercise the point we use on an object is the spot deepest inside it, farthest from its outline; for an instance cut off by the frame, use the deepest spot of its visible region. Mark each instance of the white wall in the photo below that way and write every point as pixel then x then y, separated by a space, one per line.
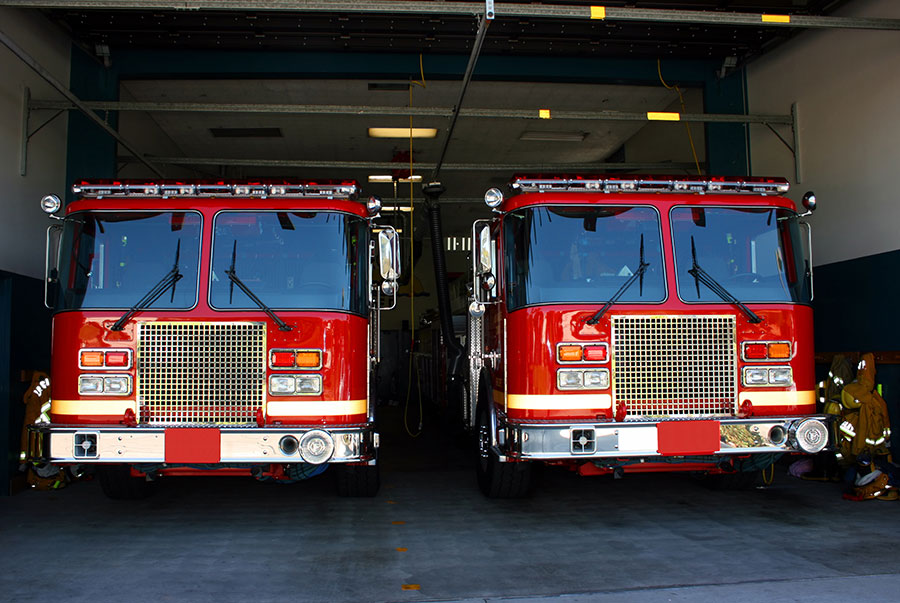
pixel 846 84
pixel 23 224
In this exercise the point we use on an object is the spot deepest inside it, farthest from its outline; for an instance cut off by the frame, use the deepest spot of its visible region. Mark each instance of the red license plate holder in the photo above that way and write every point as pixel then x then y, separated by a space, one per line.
pixel 682 438
pixel 193 445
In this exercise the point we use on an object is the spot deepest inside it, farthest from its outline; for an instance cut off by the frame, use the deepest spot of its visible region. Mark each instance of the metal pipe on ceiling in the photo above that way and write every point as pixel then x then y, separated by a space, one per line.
pixel 286 109
pixel 388 165
pixel 74 100
pixel 467 77
pixel 514 10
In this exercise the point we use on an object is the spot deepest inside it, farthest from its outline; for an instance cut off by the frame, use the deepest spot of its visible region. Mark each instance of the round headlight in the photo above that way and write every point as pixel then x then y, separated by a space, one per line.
pixel 373 205
pixel 493 197
pixel 316 446
pixel 811 436
pixel 51 204
pixel 389 287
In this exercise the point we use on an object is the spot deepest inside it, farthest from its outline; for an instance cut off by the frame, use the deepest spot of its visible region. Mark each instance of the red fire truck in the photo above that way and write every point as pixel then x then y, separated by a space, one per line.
pixel 215 328
pixel 635 324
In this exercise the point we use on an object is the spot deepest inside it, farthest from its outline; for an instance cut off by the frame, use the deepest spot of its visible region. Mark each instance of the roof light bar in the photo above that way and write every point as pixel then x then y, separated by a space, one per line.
pixel 648 184
pixel 326 189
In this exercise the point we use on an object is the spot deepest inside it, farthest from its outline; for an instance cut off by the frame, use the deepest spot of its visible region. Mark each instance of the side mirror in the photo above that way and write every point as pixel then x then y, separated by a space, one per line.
pixel 389 254
pixel 484 250
pixel 51 261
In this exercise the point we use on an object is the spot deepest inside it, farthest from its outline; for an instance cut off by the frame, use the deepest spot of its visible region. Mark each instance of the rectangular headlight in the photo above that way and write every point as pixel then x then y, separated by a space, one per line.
pixel 598 379
pixel 281 384
pixel 88 384
pixel 309 384
pixel 756 376
pixel 780 376
pixel 569 379
pixel 117 385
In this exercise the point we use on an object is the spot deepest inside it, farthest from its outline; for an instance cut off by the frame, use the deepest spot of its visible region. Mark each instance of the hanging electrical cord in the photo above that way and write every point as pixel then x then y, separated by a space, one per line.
pixel 683 110
pixel 413 367
pixel 768 479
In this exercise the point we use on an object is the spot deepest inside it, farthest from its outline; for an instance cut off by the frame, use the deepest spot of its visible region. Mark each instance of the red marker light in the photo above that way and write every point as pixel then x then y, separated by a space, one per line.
pixel 117 358
pixel 595 353
pixel 756 351
pixel 283 359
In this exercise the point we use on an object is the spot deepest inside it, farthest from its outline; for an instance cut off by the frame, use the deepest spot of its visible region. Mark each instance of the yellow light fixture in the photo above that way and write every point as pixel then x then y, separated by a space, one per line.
pixel 402 132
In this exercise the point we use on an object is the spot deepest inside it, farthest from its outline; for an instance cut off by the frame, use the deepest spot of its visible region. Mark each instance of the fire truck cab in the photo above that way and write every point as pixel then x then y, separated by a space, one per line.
pixel 216 328
pixel 633 324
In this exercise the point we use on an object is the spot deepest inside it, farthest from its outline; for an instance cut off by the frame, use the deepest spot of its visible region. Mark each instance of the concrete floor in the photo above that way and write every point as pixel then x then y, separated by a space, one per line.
pixel 431 536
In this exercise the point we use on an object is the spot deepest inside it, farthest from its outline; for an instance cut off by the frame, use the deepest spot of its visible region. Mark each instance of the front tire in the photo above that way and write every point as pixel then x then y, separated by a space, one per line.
pixel 357 481
pixel 118 483
pixel 496 479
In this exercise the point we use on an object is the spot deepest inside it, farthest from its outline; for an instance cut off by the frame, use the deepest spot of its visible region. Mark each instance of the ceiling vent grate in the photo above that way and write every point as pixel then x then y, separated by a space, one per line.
pixel 246 132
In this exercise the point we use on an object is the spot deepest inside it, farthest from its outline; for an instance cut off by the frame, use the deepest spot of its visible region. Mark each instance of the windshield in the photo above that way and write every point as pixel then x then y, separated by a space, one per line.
pixel 581 254
pixel 111 259
pixel 757 254
pixel 290 260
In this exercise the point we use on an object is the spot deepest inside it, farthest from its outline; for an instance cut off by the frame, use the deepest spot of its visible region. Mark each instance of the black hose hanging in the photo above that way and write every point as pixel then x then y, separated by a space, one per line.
pixel 455 351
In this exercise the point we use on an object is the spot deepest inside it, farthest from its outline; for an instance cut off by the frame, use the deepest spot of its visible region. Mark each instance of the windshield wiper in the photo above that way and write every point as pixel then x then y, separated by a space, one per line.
pixel 171 277
pixel 642 267
pixel 702 276
pixel 283 326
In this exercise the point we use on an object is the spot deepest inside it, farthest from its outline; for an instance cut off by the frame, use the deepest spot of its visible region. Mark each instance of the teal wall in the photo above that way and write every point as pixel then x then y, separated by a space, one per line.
pixel 856 311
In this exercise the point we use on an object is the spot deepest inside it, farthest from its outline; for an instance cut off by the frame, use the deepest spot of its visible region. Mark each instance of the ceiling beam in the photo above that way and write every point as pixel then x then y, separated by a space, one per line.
pixel 75 102
pixel 548 11
pixel 288 109
pixel 390 165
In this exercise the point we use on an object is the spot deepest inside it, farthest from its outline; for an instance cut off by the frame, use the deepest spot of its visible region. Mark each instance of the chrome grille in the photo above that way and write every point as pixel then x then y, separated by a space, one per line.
pixel 200 373
pixel 674 366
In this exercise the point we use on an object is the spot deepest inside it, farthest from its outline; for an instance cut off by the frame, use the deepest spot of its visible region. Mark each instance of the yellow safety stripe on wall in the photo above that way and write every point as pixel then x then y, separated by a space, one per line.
pixel 598 12
pixel 776 18
pixel 757 398
pixel 663 116
pixel 92 407
pixel 559 402
pixel 318 408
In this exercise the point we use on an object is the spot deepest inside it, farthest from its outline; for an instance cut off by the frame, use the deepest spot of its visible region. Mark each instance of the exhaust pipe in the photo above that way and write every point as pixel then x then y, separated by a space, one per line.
pixel 289 445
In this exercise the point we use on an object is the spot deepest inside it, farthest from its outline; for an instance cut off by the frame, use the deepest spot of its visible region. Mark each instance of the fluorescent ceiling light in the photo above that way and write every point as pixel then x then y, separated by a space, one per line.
pixel 402 208
pixel 390 178
pixel 402 132
pixel 554 136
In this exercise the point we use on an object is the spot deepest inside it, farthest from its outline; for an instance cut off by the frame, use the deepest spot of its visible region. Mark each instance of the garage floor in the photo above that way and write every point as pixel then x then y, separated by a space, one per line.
pixel 430 535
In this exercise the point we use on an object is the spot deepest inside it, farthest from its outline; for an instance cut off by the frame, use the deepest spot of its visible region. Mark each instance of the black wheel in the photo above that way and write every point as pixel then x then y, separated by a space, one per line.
pixel 118 483
pixel 496 479
pixel 357 480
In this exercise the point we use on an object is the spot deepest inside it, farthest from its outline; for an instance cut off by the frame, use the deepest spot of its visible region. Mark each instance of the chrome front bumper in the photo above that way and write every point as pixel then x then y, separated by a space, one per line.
pixel 561 441
pixel 48 443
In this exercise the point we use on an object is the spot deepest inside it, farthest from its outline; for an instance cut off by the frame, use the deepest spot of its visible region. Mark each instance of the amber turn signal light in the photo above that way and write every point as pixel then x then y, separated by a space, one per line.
pixel 780 350
pixel 569 353
pixel 92 359
pixel 309 359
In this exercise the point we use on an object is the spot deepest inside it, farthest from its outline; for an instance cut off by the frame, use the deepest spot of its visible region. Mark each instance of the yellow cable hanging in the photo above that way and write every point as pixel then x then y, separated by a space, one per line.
pixel 687 125
pixel 767 480
pixel 412 276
